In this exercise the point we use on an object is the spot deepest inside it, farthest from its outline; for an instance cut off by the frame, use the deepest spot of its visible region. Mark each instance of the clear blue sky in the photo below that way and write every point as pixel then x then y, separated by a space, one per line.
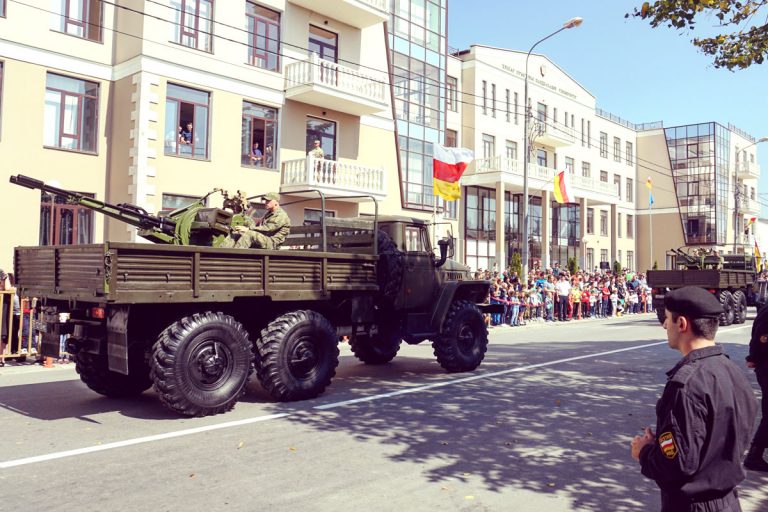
pixel 637 72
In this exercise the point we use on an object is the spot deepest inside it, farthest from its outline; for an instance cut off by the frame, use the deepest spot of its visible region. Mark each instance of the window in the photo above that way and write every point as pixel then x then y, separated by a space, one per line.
pixel 589 134
pixel 508 112
pixel 616 149
pixel 630 190
pixel 493 100
pixel 259 136
pixel 451 86
pixel 583 133
pixel 324 131
pixel 566 119
pixel 554 116
pixel 516 106
pixel 604 176
pixel 62 223
pixel 2 8
pixel 618 227
pixel 630 226
pixel 71 113
pixel 569 165
pixel 485 97
pixel 186 122
pixel 590 258
pixel 451 138
pixel 590 221
pixel 489 146
pixel 603 144
pixel 511 150
pixel 751 189
pixel 541 157
pixel 312 216
pixel 414 239
pixel 175 201
pixel 586 169
pixel 324 43
pixel 630 260
pixel 630 157
pixel 603 255
pixel 603 223
pixel 619 256
pixel 193 24
pixel 79 18
pixel 263 36
pixel 541 115
pixel 617 184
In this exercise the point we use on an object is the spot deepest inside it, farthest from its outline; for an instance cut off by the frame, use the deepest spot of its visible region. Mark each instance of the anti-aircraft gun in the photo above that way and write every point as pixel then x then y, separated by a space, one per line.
pixel 194 224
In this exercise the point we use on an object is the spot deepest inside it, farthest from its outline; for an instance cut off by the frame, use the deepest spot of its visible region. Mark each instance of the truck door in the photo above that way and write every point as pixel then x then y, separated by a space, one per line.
pixel 420 276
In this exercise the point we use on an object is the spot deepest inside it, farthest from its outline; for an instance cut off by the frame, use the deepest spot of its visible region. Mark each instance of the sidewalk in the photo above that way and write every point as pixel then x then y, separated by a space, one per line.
pixel 542 323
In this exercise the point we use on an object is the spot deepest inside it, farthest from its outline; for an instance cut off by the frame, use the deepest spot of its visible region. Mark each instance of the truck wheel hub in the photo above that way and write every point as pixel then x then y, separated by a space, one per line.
pixel 303 358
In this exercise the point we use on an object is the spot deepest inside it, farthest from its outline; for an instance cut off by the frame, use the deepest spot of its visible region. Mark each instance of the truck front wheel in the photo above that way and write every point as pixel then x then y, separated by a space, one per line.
pixel 95 373
pixel 463 340
pixel 297 356
pixel 201 364
pixel 726 299
pixel 739 307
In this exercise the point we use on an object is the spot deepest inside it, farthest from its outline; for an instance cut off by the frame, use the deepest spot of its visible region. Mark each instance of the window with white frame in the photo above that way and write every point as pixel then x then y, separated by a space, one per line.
pixel 617 184
pixel 603 144
pixel 485 97
pixel 451 88
pixel 193 24
pixel 517 101
pixel 186 121
pixel 2 8
pixel 618 226
pixel 630 190
pixel 493 100
pixel 263 36
pixel 616 149
pixel 511 150
pixel 489 146
pixel 590 221
pixel 630 156
pixel 79 18
pixel 630 226
pixel 630 260
pixel 508 111
pixel 603 223
pixel 603 255
pixel 604 176
pixel 569 165
pixel 71 113
pixel 586 169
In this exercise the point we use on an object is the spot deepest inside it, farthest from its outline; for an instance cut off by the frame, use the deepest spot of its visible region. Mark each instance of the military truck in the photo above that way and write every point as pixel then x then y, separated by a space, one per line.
pixel 731 278
pixel 195 321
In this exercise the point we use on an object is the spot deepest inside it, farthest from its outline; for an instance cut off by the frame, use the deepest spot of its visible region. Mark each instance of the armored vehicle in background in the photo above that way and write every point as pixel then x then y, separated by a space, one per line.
pixel 731 278
pixel 194 320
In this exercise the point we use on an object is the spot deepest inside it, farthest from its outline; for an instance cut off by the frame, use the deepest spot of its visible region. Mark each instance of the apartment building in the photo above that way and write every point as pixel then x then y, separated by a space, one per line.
pixel 156 103
pixel 567 132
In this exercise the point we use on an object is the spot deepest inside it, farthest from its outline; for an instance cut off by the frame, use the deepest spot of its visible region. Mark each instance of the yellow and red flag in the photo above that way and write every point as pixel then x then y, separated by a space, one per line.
pixel 751 221
pixel 758 258
pixel 448 166
pixel 563 189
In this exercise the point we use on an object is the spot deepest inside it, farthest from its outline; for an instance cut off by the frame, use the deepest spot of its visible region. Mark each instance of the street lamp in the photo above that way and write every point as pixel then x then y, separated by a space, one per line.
pixel 571 23
pixel 737 199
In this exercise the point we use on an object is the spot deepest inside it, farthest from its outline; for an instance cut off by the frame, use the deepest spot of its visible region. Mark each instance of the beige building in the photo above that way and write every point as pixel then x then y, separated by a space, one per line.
pixel 157 103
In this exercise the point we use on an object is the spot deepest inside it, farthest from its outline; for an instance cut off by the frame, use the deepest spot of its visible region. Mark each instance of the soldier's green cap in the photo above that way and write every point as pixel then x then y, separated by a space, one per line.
pixel 271 196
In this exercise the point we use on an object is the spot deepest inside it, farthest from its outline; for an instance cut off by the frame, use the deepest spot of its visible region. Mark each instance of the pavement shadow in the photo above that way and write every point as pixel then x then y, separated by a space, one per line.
pixel 557 429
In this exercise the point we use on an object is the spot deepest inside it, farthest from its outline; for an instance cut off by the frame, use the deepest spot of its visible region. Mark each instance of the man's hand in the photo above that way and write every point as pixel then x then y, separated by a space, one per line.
pixel 240 230
pixel 640 441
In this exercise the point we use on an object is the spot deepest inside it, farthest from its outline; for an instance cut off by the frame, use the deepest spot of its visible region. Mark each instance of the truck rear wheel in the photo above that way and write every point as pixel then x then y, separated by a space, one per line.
pixel 297 356
pixel 463 340
pixel 739 307
pixel 379 348
pixel 201 364
pixel 95 373
pixel 726 299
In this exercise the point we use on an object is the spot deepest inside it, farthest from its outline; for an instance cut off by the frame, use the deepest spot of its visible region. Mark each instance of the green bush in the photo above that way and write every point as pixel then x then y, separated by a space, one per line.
pixel 516 264
pixel 616 267
pixel 573 265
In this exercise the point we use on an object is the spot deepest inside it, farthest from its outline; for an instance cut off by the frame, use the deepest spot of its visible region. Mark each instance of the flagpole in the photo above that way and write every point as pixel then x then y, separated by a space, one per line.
pixel 650 230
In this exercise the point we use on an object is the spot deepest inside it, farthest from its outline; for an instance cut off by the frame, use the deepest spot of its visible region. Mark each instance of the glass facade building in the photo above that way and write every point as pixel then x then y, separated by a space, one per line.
pixel 417 41
pixel 699 155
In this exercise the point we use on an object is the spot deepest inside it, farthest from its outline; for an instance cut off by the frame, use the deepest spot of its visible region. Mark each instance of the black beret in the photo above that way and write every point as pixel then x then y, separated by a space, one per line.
pixel 693 302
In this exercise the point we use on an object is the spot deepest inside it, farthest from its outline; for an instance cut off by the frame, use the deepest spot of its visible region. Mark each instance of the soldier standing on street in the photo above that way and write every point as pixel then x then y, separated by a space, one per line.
pixel 704 417
pixel 758 360
pixel 270 233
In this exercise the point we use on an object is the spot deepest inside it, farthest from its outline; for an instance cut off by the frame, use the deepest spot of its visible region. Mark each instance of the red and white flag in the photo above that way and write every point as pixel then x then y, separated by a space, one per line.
pixel 448 166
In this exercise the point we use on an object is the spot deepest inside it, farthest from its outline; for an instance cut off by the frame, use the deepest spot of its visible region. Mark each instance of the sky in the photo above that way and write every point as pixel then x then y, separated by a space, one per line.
pixel 639 73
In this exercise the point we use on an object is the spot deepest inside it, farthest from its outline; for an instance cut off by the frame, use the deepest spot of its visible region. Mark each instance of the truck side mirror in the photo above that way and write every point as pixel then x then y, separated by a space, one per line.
pixel 443 244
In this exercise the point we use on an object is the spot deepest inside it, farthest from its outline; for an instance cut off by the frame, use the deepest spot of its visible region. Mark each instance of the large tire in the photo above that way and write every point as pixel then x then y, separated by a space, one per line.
pixel 463 340
pixel 726 299
pixel 739 307
pixel 95 373
pixel 297 356
pixel 389 268
pixel 201 364
pixel 379 348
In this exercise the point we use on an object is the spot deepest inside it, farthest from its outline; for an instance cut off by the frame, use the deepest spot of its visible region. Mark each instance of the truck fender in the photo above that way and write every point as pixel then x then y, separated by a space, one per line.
pixel 117 337
pixel 474 291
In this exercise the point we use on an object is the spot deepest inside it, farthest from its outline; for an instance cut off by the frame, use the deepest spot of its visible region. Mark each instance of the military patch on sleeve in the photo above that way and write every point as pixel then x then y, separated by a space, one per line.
pixel 763 339
pixel 667 444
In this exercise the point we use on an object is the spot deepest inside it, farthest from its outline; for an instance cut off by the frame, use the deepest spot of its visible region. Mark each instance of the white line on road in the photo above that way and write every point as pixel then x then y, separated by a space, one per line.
pixel 258 419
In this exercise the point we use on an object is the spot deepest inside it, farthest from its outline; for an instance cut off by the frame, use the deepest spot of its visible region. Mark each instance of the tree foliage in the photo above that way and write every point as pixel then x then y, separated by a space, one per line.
pixel 516 264
pixel 743 42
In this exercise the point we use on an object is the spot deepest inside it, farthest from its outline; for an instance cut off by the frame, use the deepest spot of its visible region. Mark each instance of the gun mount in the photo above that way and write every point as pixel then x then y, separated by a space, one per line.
pixel 194 224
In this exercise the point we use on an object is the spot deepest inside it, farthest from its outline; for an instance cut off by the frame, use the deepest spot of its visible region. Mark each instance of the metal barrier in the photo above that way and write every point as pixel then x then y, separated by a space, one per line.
pixel 18 335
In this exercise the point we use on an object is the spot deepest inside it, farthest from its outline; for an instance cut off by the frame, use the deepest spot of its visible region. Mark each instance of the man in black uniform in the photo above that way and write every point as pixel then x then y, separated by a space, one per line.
pixel 704 417
pixel 758 359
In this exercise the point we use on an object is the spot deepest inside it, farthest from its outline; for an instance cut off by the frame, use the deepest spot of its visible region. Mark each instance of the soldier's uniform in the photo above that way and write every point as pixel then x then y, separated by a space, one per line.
pixel 704 419
pixel 269 234
pixel 758 354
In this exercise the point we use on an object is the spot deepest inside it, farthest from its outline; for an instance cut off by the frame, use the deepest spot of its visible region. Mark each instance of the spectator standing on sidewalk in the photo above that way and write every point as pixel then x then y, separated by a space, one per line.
pixel 563 288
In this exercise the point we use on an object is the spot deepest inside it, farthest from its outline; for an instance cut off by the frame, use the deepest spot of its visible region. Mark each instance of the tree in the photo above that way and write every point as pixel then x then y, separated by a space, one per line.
pixel 573 265
pixel 516 265
pixel 742 44
pixel 616 267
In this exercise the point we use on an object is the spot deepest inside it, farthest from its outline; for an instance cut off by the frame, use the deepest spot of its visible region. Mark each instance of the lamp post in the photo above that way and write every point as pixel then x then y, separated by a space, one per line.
pixel 573 22
pixel 736 194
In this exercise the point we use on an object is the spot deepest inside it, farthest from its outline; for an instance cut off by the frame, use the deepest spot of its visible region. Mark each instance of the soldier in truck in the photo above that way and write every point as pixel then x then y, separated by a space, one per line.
pixel 268 233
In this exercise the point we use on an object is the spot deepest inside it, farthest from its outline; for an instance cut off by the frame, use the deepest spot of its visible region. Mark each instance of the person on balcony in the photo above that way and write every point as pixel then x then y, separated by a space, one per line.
pixel 316 151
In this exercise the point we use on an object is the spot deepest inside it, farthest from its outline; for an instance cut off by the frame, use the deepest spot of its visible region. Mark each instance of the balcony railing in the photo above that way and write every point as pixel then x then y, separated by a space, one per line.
pixel 330 85
pixel 555 135
pixel 356 13
pixel 332 177
pixel 749 205
pixel 747 170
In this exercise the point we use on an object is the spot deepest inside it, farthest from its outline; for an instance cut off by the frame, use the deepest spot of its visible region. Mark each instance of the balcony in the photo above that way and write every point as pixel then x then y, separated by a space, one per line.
pixel 332 86
pixel 357 13
pixel 554 136
pixel 747 170
pixel 748 205
pixel 331 177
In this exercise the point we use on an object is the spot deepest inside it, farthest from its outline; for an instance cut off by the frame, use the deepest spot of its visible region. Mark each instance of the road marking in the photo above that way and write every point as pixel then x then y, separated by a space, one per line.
pixel 258 419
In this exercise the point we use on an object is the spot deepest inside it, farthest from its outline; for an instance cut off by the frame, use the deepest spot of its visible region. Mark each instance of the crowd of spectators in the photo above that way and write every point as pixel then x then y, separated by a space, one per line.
pixel 557 295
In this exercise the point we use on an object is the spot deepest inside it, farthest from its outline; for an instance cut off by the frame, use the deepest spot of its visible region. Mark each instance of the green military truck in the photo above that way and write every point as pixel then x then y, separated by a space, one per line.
pixel 731 278
pixel 195 321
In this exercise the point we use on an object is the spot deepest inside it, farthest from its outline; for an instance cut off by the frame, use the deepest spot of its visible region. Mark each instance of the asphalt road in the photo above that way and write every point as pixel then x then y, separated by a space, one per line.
pixel 543 425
